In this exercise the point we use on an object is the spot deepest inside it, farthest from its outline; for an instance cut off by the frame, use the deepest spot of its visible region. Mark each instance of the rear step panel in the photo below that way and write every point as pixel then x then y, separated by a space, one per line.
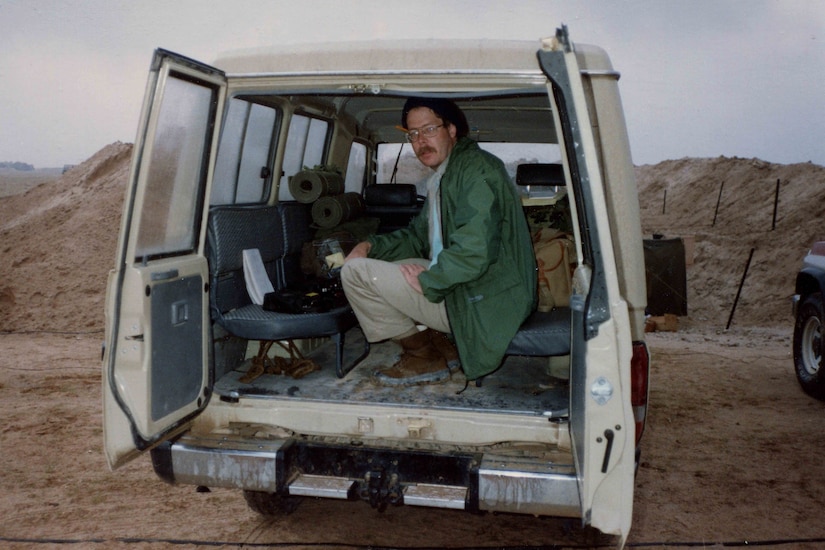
pixel 470 481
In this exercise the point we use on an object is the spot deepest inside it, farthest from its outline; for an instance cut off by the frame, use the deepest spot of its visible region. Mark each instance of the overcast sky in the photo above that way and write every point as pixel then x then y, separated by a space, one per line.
pixel 700 78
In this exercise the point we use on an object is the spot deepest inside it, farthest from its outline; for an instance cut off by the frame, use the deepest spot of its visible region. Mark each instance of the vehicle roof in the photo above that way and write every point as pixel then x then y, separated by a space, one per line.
pixel 436 55
pixel 506 102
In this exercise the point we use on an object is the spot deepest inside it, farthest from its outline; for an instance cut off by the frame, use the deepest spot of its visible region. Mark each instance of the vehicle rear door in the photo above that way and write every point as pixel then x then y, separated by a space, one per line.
pixel 156 363
pixel 601 425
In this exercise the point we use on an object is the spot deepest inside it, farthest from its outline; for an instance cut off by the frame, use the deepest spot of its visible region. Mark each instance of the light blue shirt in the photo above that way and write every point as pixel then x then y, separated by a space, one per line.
pixel 434 197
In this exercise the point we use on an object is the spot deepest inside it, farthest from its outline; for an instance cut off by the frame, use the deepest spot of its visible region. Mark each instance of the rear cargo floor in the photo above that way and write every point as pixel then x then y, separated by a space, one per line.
pixel 520 386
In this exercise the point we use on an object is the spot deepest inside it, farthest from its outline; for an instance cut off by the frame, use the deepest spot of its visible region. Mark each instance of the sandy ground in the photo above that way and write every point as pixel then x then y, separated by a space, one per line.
pixel 730 454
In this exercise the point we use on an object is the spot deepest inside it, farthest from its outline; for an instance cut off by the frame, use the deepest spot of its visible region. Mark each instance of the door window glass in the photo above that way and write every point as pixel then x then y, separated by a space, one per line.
pixel 356 168
pixel 306 146
pixel 176 171
pixel 242 169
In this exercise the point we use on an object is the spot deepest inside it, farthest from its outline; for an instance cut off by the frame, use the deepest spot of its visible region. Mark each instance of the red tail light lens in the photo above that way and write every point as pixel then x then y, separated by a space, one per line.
pixel 639 377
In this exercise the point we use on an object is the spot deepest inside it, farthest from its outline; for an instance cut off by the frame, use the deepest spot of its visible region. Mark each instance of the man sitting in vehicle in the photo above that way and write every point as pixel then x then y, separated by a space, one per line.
pixel 464 267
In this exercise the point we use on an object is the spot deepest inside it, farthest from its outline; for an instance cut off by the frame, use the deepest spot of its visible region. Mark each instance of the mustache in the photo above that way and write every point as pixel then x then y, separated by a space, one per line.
pixel 425 150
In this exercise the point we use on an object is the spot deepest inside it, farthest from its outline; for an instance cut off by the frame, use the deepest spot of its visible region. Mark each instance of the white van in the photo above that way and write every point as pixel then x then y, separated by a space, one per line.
pixel 237 156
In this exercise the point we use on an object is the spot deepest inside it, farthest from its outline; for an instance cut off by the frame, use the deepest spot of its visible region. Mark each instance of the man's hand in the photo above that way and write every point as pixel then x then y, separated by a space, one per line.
pixel 361 250
pixel 411 273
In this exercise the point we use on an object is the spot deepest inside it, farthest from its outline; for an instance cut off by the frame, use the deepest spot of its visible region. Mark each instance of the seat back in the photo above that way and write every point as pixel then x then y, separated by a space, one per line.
pixel 296 229
pixel 231 230
pixel 540 174
pixel 394 204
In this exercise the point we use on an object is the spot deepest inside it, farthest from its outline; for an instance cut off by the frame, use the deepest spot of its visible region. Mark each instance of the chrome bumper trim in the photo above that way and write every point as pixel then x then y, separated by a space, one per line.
pixel 505 484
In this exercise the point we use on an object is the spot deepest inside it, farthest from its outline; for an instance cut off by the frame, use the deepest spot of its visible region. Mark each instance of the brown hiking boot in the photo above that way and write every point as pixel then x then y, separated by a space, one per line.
pixel 421 363
pixel 446 348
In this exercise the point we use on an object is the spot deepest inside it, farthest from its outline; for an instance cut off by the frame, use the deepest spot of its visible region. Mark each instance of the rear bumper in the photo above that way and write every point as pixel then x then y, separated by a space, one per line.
pixel 470 481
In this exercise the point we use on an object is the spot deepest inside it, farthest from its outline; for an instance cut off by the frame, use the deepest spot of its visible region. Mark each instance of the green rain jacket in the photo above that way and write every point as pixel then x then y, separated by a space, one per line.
pixel 486 271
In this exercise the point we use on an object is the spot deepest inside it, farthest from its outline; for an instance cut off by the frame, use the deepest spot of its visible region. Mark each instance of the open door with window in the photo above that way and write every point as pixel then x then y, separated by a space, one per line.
pixel 603 449
pixel 156 372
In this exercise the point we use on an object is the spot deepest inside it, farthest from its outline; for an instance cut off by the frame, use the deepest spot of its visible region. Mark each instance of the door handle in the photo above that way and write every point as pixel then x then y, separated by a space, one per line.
pixel 608 435
pixel 164 275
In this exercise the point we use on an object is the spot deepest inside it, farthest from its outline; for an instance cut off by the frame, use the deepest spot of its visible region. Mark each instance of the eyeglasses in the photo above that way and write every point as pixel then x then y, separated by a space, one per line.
pixel 427 131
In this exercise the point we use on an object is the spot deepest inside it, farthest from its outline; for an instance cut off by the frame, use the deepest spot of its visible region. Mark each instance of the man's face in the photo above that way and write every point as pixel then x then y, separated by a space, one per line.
pixel 431 150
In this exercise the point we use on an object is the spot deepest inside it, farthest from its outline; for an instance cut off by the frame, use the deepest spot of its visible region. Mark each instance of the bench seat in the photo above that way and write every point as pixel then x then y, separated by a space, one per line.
pixel 543 334
pixel 278 232
pixel 255 323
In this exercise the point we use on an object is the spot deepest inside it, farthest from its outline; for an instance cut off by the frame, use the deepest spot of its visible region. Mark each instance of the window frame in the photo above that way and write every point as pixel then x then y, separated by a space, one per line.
pixel 239 158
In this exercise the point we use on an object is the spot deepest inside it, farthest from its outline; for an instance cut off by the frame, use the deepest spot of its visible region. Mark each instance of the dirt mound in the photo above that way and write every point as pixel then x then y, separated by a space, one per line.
pixel 58 239
pixel 679 198
pixel 58 244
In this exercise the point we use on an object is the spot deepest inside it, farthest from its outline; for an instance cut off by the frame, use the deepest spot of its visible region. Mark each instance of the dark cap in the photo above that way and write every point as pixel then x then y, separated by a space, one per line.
pixel 445 109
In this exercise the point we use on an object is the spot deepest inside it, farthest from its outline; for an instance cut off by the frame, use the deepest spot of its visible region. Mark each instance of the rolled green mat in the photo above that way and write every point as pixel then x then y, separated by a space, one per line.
pixel 332 211
pixel 310 185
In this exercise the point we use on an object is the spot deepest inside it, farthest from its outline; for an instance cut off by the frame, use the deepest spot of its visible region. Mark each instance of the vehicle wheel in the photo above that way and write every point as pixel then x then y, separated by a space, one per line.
pixel 808 346
pixel 271 504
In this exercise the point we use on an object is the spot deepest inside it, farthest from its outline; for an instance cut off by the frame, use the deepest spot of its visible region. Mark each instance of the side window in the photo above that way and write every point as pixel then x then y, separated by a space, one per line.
pixel 356 168
pixel 176 174
pixel 306 145
pixel 397 163
pixel 242 169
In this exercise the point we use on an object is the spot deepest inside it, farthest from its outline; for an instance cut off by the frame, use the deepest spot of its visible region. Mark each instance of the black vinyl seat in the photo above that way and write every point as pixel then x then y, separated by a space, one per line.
pixel 543 333
pixel 278 233
pixel 394 204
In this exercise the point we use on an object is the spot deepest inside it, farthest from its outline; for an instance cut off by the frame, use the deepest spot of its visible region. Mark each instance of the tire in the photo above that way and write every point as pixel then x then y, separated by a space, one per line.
pixel 271 504
pixel 808 345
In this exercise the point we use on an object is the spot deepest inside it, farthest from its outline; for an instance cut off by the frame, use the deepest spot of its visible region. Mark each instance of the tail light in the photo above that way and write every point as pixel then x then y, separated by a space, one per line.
pixel 639 377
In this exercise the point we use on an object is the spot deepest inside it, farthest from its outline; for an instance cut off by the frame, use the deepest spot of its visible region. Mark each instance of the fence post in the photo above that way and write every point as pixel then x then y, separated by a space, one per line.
pixel 775 205
pixel 739 290
pixel 718 200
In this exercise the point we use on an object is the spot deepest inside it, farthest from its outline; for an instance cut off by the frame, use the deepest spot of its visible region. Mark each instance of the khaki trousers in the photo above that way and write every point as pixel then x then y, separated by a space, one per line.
pixel 385 304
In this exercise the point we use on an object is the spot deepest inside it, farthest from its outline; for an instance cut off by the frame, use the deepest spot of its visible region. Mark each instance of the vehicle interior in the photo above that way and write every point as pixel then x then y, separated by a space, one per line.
pixel 268 143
